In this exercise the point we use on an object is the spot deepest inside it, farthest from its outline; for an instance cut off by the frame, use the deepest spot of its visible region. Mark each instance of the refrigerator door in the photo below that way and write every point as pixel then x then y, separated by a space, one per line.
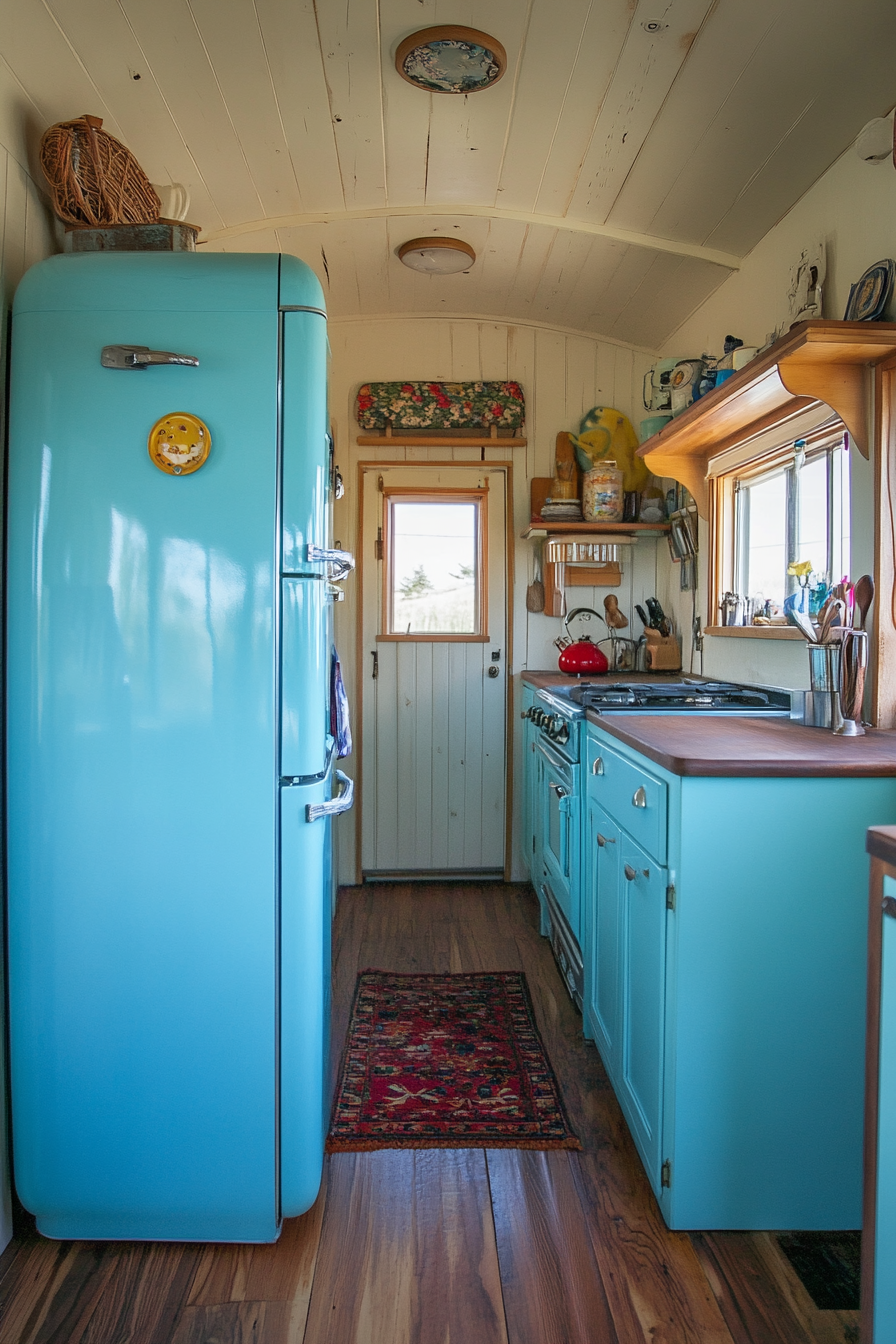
pixel 306 445
pixel 305 916
pixel 142 761
pixel 305 678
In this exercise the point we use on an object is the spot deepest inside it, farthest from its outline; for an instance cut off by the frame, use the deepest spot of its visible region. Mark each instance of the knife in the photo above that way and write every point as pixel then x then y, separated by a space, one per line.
pixel 643 615
pixel 658 618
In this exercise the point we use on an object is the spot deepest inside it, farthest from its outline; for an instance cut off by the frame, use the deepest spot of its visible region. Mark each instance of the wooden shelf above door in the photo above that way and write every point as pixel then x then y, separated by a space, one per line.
pixel 816 362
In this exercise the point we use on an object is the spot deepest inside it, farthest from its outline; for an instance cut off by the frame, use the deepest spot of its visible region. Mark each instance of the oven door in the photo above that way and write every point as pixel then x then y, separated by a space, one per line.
pixel 559 829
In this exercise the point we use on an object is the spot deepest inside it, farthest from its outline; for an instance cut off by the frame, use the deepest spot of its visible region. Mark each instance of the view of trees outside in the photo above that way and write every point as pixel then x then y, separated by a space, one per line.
pixel 434 568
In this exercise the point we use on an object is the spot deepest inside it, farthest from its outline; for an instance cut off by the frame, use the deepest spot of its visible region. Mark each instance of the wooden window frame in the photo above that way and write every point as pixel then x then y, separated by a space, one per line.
pixel 723 531
pixel 407 494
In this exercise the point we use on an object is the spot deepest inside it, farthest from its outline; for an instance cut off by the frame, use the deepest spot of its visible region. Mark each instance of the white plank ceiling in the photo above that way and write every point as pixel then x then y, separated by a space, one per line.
pixel 609 183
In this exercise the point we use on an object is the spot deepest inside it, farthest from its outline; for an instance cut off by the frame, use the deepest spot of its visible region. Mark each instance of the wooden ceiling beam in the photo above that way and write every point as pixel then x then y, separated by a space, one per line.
pixel 455 211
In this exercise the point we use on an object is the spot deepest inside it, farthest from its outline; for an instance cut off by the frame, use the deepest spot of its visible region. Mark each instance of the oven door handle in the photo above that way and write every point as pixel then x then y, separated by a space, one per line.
pixel 564 831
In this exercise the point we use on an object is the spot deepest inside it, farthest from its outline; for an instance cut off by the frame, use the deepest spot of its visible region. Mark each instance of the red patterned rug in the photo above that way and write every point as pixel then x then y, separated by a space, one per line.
pixel 446 1061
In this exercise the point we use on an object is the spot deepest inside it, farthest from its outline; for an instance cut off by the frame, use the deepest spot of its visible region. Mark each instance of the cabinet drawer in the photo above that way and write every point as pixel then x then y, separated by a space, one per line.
pixel 631 794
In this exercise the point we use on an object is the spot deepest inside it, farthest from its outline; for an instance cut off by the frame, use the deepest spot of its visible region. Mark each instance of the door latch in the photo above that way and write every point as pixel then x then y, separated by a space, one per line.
pixel 141 357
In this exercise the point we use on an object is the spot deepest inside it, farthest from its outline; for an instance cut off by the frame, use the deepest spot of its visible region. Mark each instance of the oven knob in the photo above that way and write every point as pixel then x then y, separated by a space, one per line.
pixel 549 725
pixel 563 735
pixel 536 716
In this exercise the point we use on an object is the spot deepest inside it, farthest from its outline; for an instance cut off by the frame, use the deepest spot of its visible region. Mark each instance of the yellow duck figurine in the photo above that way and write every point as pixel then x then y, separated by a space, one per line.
pixel 608 434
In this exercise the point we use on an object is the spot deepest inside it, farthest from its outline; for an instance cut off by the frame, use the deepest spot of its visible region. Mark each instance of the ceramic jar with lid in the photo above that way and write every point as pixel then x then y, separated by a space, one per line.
pixel 602 496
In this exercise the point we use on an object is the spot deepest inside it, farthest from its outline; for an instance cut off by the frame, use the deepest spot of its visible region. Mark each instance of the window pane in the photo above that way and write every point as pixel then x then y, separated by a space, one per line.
pixel 766 549
pixel 434 568
pixel 812 538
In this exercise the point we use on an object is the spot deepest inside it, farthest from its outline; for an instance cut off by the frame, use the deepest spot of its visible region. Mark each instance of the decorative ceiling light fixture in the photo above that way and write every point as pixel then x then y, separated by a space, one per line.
pixel 437 256
pixel 450 60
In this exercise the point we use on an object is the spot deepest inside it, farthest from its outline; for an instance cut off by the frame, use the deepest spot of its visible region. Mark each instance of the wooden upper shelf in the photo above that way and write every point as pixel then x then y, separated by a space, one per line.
pixel 819 361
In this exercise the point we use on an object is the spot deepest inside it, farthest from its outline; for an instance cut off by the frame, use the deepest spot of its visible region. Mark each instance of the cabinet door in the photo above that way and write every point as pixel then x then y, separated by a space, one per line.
pixel 603 934
pixel 643 975
pixel 885 1232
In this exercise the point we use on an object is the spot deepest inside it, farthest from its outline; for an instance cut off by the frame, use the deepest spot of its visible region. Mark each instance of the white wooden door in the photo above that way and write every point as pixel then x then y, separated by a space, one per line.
pixel 434 706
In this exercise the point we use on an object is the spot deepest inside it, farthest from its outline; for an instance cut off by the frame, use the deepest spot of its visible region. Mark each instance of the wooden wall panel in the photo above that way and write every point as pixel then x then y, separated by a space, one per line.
pixel 562 375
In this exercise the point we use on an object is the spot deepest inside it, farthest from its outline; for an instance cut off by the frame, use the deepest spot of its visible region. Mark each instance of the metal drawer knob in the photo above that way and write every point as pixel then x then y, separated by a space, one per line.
pixel 604 840
pixel 639 798
pixel 630 873
pixel 597 767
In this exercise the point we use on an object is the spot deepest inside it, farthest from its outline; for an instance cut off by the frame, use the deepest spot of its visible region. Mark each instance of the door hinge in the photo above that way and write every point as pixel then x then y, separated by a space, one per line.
pixel 670 897
pixel 379 485
pixel 376 663
pixel 378 544
pixel 666 1174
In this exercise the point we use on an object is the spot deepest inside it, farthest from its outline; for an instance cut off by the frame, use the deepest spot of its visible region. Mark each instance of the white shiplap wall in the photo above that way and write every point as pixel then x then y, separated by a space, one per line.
pixel 26 236
pixel 562 375
pixel 852 208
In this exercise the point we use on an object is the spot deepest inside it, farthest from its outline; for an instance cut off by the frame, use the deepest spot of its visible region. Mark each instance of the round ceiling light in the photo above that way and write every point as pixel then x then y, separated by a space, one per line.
pixel 451 60
pixel 437 256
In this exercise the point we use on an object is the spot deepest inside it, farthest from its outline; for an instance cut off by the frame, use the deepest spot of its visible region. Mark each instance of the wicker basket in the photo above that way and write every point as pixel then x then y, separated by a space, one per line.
pixel 94 179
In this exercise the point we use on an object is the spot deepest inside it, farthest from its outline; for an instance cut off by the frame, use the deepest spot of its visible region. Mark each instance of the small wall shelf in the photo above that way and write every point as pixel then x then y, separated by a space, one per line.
pixel 473 440
pixel 819 361
pixel 538 528
pixel 755 632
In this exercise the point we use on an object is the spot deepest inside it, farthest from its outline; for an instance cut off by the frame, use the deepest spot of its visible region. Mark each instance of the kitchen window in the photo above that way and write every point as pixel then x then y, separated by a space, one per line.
pixel 789 505
pixel 434 554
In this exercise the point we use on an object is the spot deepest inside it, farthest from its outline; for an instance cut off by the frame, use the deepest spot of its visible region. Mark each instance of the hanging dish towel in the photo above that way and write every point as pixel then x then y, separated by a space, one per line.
pixel 340 726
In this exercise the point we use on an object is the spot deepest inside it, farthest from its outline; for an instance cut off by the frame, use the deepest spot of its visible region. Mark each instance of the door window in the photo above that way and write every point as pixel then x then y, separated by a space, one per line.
pixel 434 565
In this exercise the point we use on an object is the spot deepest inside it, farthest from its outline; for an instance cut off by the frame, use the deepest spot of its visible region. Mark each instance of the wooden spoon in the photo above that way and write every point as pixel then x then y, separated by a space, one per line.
pixel 864 596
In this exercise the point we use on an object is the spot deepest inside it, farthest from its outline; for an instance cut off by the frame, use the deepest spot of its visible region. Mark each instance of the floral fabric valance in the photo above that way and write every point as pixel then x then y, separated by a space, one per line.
pixel 416 406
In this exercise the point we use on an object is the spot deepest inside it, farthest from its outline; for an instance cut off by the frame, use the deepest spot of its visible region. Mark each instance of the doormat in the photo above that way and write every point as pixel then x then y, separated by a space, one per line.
pixel 828 1266
pixel 446 1061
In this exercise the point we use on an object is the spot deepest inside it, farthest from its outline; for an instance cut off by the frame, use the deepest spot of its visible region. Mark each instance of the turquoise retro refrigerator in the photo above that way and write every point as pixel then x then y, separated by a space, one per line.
pixel 170 761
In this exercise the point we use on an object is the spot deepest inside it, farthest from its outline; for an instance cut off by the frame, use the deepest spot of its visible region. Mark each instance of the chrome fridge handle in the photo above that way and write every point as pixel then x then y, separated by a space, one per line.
pixel 140 357
pixel 341 803
pixel 344 561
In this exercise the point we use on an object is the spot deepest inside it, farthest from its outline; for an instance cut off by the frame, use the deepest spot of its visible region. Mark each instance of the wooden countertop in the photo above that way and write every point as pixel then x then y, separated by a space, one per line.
pixel 757 748
pixel 881 842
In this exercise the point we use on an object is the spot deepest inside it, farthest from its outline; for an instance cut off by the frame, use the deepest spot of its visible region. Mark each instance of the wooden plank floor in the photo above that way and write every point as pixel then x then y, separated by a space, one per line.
pixel 437 1246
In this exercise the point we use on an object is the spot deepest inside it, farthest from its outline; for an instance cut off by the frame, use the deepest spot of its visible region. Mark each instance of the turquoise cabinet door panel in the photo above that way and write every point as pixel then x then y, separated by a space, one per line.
pixel 603 951
pixel 885 1231
pixel 643 941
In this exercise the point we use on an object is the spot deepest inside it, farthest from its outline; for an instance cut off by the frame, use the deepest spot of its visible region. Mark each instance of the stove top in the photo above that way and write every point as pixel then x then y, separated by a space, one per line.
pixel 671 697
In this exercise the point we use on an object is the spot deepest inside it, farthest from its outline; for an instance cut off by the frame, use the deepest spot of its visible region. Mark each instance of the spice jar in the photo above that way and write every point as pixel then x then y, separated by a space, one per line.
pixel 602 497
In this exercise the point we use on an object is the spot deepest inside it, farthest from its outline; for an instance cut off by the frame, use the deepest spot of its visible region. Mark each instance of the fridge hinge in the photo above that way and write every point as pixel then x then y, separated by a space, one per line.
pixel 378 544
pixel 670 897
pixel 666 1174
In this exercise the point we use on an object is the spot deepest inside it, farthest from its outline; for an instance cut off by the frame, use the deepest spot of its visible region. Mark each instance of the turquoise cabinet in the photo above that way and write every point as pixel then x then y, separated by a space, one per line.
pixel 625 980
pixel 885 1237
pixel 602 969
pixel 879 1230
pixel 724 924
